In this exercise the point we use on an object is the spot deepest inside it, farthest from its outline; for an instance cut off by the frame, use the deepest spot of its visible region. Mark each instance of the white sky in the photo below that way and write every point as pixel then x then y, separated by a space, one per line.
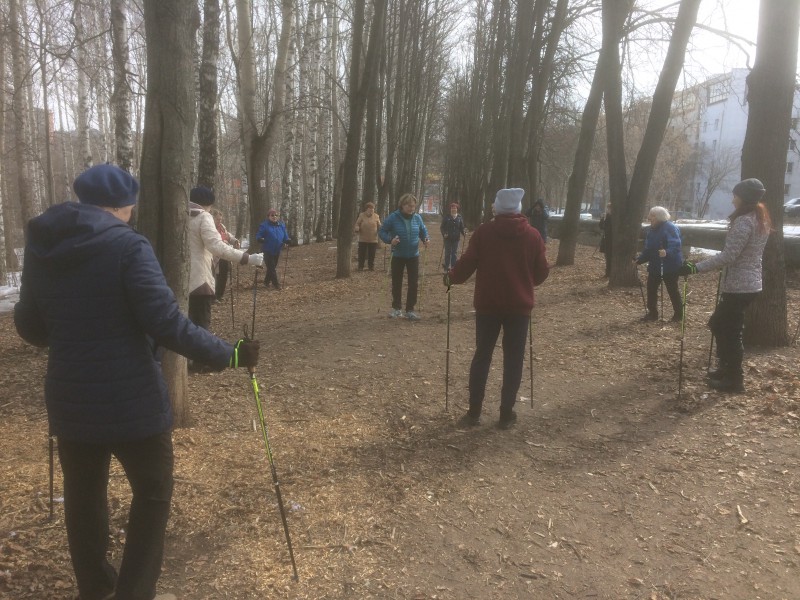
pixel 711 54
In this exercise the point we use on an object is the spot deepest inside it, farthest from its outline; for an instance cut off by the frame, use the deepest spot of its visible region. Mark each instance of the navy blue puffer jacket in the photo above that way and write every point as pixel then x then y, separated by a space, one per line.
pixel 93 291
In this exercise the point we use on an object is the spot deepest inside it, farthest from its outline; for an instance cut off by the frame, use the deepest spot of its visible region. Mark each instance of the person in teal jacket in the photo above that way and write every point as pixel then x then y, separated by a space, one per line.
pixel 273 237
pixel 404 229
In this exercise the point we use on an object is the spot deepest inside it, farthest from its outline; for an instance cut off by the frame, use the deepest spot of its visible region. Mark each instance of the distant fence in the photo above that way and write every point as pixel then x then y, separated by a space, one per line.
pixel 710 236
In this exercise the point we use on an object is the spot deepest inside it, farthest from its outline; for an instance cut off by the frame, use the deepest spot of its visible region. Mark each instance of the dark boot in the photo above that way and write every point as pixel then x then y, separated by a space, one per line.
pixel 650 317
pixel 721 372
pixel 729 383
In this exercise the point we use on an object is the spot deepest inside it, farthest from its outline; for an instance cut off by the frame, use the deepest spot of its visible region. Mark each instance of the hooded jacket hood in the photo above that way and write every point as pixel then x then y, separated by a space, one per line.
pixel 71 232
pixel 509 226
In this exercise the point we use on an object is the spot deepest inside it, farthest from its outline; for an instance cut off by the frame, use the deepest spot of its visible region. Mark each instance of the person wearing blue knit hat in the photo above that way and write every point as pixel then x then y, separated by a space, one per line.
pixel 93 292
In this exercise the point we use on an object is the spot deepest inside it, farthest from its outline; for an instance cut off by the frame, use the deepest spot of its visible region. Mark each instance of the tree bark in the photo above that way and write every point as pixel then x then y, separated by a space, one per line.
pixel 771 88
pixel 358 90
pixel 27 205
pixel 121 98
pixel 207 104
pixel 166 159
pixel 568 230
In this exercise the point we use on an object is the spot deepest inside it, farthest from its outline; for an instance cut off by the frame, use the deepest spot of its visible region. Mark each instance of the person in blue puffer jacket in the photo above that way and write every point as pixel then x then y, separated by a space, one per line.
pixel 94 293
pixel 273 237
pixel 404 229
pixel 662 253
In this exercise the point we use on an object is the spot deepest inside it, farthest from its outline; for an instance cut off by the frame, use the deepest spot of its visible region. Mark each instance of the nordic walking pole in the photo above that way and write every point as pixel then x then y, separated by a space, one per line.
pixel 716 303
pixel 275 482
pixel 286 264
pixel 683 334
pixel 447 356
pixel 50 465
pixel 661 285
pixel 530 351
pixel 230 283
pixel 422 283
pixel 641 288
pixel 255 290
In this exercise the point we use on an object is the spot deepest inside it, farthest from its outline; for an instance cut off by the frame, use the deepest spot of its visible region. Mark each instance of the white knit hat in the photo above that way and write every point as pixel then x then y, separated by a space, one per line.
pixel 508 201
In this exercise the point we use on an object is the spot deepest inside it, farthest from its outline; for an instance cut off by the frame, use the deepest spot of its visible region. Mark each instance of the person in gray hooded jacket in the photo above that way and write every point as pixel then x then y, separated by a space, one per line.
pixel 750 226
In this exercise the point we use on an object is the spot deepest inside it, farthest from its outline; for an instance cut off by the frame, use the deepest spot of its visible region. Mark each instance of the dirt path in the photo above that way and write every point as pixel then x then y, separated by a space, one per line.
pixel 607 488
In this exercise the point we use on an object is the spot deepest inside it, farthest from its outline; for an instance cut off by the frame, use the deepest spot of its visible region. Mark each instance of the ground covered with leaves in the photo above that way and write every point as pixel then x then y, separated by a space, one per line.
pixel 609 486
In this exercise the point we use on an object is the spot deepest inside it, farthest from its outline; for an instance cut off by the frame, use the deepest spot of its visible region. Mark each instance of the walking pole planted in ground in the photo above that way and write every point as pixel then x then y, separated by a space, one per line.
pixel 276 483
pixel 661 260
pixel 641 289
pixel 230 282
pixel 683 333
pixel 255 290
pixel 286 265
pixel 447 352
pixel 530 351
pixel 441 260
pixel 50 450
pixel 716 302
pixel 422 283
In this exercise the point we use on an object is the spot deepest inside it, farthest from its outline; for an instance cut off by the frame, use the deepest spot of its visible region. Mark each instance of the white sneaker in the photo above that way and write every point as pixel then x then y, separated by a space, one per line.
pixel 395 313
pixel 412 316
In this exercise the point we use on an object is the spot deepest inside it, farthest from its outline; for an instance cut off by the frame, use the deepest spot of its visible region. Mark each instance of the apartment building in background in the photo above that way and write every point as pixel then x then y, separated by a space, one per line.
pixel 713 115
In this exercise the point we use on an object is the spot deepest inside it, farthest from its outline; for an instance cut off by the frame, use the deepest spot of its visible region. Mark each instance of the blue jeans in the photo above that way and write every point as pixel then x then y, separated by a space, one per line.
pixel 148 465
pixel 487 329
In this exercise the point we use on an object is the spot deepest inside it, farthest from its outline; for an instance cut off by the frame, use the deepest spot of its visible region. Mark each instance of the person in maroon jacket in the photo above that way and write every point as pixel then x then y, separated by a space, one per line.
pixel 509 257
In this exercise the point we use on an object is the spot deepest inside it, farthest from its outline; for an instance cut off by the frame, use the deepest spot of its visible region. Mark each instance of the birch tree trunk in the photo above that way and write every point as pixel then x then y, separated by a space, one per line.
pixel 81 64
pixel 26 202
pixel 166 159
pixel 121 98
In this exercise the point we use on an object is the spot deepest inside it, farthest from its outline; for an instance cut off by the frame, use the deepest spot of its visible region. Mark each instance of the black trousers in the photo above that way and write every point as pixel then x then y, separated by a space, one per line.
pixel 487 329
pixel 221 278
pixel 200 310
pixel 148 465
pixel 411 265
pixel 727 325
pixel 366 252
pixel 271 260
pixel 450 252
pixel 671 283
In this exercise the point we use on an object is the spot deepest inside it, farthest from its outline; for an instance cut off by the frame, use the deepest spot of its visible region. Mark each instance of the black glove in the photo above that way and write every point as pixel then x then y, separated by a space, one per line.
pixel 687 268
pixel 245 354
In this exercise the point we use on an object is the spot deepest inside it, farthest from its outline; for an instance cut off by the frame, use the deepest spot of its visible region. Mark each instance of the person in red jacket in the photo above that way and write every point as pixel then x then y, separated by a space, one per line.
pixel 508 255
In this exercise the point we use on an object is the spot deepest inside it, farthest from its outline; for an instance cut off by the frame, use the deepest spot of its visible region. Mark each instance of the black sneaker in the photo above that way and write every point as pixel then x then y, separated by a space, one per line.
pixel 468 421
pixel 676 318
pixel 507 421
pixel 649 317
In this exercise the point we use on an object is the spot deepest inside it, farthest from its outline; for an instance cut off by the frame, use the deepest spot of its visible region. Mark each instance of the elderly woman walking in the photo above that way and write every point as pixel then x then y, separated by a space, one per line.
pixel 662 253
pixel 750 226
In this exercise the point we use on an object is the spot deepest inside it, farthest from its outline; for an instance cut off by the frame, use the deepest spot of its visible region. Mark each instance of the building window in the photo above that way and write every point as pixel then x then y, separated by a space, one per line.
pixel 714 145
pixel 697 188
pixel 702 146
pixel 786 189
pixel 716 124
pixel 705 126
pixel 789 167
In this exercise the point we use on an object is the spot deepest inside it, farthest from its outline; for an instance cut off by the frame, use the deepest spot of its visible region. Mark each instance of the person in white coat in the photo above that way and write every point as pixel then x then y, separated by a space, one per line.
pixel 205 244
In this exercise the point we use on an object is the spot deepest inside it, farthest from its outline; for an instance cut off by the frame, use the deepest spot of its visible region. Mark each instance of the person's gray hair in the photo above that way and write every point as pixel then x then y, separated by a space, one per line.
pixel 659 213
